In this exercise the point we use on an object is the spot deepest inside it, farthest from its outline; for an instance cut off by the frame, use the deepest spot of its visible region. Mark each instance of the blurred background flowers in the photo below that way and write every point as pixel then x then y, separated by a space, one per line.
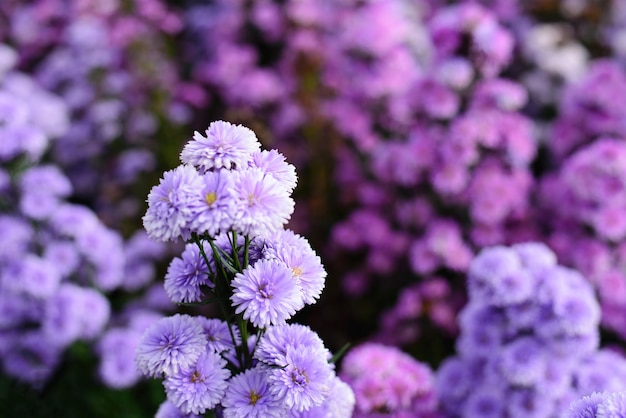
pixel 424 133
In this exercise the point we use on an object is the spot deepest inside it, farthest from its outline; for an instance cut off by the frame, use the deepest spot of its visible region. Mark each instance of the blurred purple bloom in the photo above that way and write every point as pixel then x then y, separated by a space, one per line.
pixel 117 367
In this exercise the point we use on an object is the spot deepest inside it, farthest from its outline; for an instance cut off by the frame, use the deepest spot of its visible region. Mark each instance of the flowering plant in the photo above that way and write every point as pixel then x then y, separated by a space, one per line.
pixel 229 201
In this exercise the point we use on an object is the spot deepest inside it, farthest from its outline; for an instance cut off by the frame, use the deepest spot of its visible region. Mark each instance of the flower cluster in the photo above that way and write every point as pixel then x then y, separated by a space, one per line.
pixel 57 257
pixel 108 64
pixel 388 382
pixel 438 165
pixel 529 339
pixel 229 201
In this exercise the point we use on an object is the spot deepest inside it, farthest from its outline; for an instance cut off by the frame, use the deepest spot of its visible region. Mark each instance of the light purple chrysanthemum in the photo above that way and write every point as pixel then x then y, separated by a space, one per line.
pixel 266 293
pixel 218 206
pixel 585 407
pixel 199 387
pixel 274 163
pixel 186 274
pixel 169 345
pixel 264 206
pixel 248 395
pixel 272 348
pixel 305 380
pixel 225 146
pixel 173 204
pixel 218 334
pixel 307 270
pixel 613 405
pixel 168 410
pixel 338 404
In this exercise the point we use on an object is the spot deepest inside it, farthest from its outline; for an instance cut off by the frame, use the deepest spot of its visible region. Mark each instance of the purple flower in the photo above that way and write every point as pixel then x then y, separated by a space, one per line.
pixel 218 335
pixel 529 403
pixel 41 189
pixel 523 362
pixel 535 255
pixel 72 219
pixel 249 395
pixel 486 402
pixel 170 345
pixel 490 267
pixel 186 275
pixel 16 236
pixel 306 267
pixel 117 367
pixel 338 404
pixel 73 313
pixel 225 146
pixel 31 275
pixel 384 378
pixel 218 207
pixel 29 358
pixel 173 204
pixel 273 346
pixel 266 293
pixel 199 387
pixel 613 405
pixel 274 163
pixel 264 205
pixel 304 381
pixel 168 410
pixel 63 255
pixel 585 407
pixel 48 179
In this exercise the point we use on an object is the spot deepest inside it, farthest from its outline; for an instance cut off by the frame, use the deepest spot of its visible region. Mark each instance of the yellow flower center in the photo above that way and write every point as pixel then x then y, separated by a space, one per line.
pixel 254 397
pixel 297 271
pixel 210 198
pixel 196 377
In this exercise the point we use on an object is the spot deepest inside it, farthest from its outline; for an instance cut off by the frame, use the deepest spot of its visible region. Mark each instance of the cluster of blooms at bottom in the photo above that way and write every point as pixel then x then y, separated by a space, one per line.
pixel 387 382
pixel 290 375
pixel 529 339
pixel 598 405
